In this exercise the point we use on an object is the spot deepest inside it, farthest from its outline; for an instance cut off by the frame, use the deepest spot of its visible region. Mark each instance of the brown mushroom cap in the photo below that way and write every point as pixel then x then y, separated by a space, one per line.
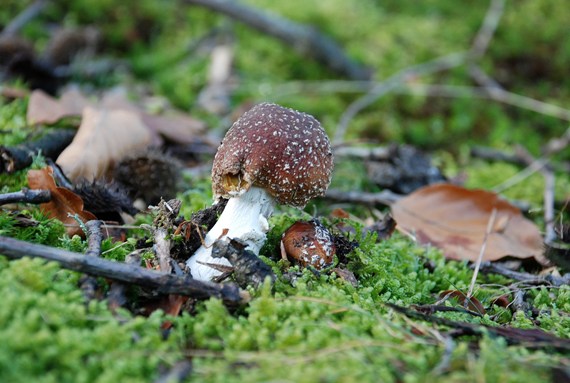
pixel 284 151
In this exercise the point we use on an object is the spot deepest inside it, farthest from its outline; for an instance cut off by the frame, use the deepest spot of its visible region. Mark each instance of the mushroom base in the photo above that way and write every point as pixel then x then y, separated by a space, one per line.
pixel 245 217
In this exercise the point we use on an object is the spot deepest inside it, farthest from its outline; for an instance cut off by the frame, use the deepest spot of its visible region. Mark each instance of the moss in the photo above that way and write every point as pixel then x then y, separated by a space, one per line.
pixel 492 175
pixel 50 335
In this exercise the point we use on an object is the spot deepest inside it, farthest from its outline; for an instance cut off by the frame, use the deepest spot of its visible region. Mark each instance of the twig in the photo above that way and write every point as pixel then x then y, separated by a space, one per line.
pixel 29 13
pixel 437 65
pixel 483 79
pixel 431 309
pixel 556 145
pixel 249 269
pixel 94 238
pixel 549 183
pixel 553 146
pixel 306 40
pixel 522 175
pixel 531 338
pixel 487 30
pixel 177 373
pixel 384 197
pixel 492 154
pixel 515 158
pixel 488 267
pixel 87 283
pixel 496 94
pixel 488 232
pixel 117 292
pixel 162 249
pixel 376 153
pixel 162 227
pixel 163 283
pixel 26 196
pixel 518 303
pixel 478 48
pixel 489 91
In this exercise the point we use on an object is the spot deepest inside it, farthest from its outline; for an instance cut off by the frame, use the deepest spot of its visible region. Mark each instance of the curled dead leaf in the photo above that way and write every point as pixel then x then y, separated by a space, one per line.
pixel 64 203
pixel 104 137
pixel 455 220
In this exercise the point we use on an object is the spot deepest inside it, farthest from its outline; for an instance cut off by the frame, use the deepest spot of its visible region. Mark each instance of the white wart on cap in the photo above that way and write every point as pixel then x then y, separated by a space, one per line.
pixel 281 150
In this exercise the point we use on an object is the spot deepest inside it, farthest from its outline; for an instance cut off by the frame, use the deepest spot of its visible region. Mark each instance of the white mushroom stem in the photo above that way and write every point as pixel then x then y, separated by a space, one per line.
pixel 244 217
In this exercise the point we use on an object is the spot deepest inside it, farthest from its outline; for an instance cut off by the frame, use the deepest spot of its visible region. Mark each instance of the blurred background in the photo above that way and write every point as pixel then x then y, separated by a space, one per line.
pixel 211 65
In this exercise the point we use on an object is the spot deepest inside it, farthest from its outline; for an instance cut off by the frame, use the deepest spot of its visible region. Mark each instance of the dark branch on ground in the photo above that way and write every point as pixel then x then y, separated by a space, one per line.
pixel 431 309
pixel 491 154
pixel 249 269
pixel 530 338
pixel 230 294
pixel 26 196
pixel 21 156
pixel 117 296
pixel 531 279
pixel 305 39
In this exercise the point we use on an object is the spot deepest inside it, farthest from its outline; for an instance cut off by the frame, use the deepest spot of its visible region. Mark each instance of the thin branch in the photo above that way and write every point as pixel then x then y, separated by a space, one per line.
pixel 87 283
pixel 488 267
pixel 478 48
pixel 492 154
pixel 375 153
pixel 548 203
pixel 384 197
pixel 483 79
pixel 94 238
pixel 162 283
pixel 522 175
pixel 488 28
pixel 26 196
pixel 556 145
pixel 117 292
pixel 177 373
pixel 490 91
pixel 28 14
pixel 488 232
pixel 495 94
pixel 305 39
pixel 432 309
pixel 439 64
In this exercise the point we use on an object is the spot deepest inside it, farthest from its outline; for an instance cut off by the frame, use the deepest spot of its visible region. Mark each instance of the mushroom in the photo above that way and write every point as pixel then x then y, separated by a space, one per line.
pixel 271 155
pixel 308 243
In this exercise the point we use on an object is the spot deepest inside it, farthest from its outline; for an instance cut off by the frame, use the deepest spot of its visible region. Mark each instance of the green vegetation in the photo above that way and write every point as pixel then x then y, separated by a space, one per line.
pixel 308 328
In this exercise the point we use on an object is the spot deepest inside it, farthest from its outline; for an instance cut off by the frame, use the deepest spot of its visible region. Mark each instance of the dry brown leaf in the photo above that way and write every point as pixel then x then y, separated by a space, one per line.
pixel 63 201
pixel 175 127
pixel 44 109
pixel 455 220
pixel 104 137
pixel 472 303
